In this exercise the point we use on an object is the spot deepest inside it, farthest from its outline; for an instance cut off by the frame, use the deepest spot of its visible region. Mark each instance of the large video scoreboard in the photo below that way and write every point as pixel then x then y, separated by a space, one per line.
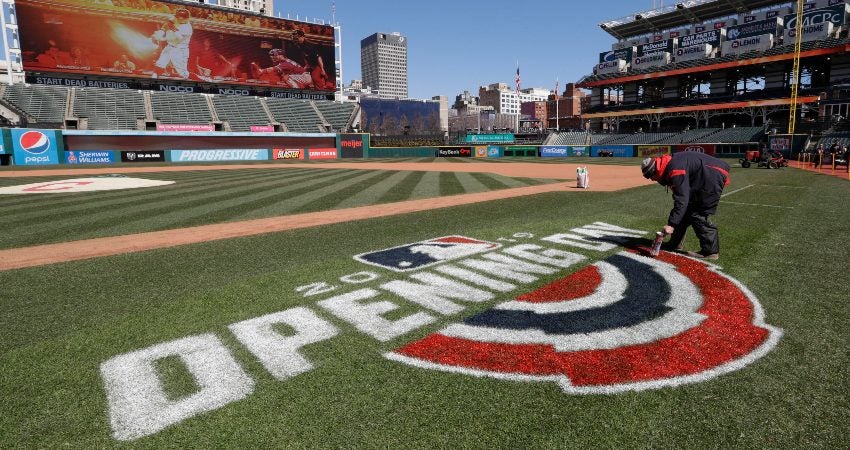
pixel 173 46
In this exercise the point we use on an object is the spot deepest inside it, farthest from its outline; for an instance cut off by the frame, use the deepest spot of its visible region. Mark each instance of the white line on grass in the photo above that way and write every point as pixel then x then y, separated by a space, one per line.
pixel 737 190
pixel 757 204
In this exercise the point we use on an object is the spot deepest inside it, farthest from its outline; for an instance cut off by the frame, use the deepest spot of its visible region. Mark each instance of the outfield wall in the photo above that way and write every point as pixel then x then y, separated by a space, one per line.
pixel 21 146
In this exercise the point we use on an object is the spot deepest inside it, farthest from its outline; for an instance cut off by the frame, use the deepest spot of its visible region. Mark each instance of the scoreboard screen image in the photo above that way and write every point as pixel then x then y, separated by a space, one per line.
pixel 149 39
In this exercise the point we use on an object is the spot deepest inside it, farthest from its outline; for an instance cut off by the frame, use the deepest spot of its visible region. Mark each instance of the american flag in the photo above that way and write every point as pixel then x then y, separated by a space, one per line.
pixel 517 77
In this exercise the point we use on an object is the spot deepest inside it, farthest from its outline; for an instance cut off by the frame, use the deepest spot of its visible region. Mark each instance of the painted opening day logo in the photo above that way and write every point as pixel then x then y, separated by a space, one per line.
pixel 607 323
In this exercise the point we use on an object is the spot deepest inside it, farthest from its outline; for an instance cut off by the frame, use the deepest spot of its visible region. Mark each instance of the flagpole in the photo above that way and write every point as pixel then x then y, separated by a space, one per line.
pixel 518 102
pixel 557 108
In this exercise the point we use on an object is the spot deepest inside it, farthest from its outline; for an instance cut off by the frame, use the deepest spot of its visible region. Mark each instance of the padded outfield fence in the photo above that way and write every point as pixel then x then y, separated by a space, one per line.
pixel 48 147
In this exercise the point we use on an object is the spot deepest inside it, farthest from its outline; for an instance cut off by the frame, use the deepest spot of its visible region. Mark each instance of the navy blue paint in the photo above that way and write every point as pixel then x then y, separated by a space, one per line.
pixel 644 300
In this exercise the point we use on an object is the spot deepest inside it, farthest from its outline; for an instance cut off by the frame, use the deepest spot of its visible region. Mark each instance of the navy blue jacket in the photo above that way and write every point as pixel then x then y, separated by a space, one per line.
pixel 697 181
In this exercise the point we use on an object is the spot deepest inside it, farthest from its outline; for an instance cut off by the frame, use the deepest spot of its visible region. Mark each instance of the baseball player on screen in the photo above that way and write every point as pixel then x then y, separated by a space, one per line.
pixel 175 34
pixel 290 72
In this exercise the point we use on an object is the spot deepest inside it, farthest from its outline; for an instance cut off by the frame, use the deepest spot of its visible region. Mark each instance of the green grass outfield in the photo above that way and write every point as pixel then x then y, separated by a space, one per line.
pixel 784 237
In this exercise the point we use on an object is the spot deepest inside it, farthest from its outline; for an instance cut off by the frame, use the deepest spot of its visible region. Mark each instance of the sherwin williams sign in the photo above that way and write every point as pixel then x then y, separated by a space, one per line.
pixel 248 154
pixel 506 137
pixel 90 157
pixel 34 147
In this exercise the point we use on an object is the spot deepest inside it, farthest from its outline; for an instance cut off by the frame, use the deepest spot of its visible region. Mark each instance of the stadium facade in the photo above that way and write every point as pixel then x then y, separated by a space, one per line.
pixel 721 64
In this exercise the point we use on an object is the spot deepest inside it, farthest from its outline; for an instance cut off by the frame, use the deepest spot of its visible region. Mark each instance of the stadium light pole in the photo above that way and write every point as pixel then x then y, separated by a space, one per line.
pixel 6 49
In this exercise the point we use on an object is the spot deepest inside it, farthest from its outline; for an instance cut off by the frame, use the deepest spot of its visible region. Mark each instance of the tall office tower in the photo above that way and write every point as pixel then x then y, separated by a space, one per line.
pixel 383 64
pixel 265 7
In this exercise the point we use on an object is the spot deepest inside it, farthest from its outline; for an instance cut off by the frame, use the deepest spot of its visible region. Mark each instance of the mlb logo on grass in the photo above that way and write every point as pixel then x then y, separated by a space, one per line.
pixel 423 254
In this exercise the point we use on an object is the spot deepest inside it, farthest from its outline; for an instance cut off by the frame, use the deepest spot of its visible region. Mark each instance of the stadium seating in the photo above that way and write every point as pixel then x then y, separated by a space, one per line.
pixel 174 108
pixel 109 109
pixel 736 135
pixel 698 135
pixel 635 139
pixel 46 104
pixel 240 112
pixel 337 114
pixel 569 138
pixel 297 115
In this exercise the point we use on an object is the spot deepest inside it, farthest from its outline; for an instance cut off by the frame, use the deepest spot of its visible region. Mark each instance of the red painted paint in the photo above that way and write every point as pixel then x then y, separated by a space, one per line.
pixel 578 285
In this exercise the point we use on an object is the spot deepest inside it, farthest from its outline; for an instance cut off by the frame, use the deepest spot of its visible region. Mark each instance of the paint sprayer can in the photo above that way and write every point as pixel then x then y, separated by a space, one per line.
pixel 656 244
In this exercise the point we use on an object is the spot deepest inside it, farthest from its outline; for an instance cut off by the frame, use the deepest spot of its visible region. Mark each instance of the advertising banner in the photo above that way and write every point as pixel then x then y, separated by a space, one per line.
pixel 248 154
pixel 161 40
pixel 751 29
pixel 183 127
pixel 652 60
pixel 322 153
pixel 708 149
pixel 693 52
pixel 352 145
pixel 579 151
pixel 34 147
pixel 288 153
pixel 665 46
pixel 480 151
pixel 835 14
pixel 145 156
pixel 624 53
pixel 503 137
pixel 619 151
pixel 647 151
pixel 454 152
pixel 90 157
pixel 554 151
pixel 755 43
pixel 710 37
pixel 616 66
pixel 495 151
pixel 262 128
pixel 811 32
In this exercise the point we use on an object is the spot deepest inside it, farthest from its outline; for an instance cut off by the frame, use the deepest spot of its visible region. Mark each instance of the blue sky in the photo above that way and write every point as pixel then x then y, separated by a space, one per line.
pixel 459 45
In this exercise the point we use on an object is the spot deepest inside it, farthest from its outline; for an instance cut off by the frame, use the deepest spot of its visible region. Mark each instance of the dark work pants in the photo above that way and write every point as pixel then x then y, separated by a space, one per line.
pixel 706 231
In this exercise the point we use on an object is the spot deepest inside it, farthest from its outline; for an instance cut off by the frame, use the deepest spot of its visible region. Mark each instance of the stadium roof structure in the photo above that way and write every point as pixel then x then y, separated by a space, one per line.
pixel 680 14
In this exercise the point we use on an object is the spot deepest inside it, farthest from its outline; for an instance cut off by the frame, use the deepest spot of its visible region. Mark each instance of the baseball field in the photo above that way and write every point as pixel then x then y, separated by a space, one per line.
pixel 419 304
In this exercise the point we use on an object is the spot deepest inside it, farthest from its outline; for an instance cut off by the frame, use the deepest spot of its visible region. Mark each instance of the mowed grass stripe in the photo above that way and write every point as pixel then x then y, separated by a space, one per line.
pixel 89 225
pixel 376 192
pixel 449 184
pixel 39 203
pixel 470 183
pixel 271 201
pixel 327 197
pixel 94 203
pixel 404 189
pixel 494 181
pixel 428 186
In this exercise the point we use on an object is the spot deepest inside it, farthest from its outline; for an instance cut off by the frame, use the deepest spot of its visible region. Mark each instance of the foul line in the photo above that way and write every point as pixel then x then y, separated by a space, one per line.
pixel 737 190
pixel 758 204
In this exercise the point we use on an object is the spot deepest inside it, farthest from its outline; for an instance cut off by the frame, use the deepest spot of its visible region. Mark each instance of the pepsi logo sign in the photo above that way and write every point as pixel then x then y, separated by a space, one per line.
pixel 34 142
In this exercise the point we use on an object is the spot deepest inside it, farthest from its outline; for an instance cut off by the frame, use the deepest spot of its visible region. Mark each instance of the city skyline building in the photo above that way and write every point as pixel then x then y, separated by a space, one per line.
pixel 383 64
